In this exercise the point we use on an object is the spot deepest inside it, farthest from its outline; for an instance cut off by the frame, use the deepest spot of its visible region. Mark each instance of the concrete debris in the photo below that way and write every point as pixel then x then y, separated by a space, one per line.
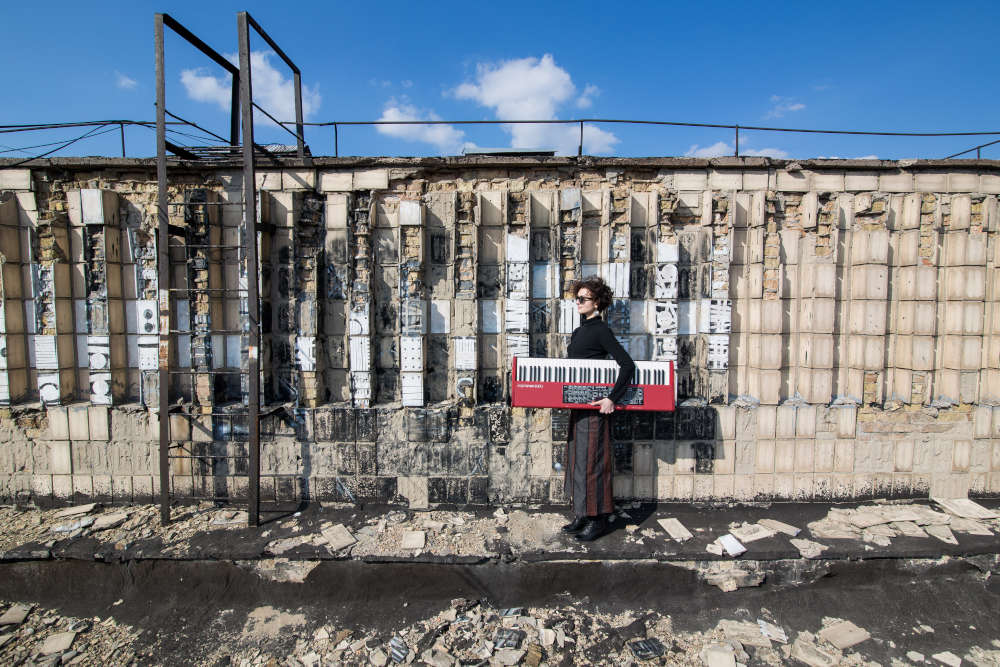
pixel 808 548
pixel 780 527
pixel 731 545
pixel 108 521
pixel 413 539
pixel 843 634
pixel 57 643
pixel 908 528
pixel 508 656
pixel 733 579
pixel 942 533
pixel 915 656
pixel 76 510
pixel 15 615
pixel 970 526
pixel 230 518
pixel 965 508
pixel 745 632
pixel 675 529
pixel 718 655
pixel 804 650
pixel 771 631
pixel 338 537
pixel 284 545
pixel 75 526
pixel 947 658
pixel 751 532
pixel 437 658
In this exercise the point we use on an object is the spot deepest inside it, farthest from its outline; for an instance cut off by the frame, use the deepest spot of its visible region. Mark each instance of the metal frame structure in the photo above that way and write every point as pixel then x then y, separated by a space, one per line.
pixel 242 112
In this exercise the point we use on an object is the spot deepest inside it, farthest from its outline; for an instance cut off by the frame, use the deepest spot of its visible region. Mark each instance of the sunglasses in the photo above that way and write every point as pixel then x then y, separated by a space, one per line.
pixel 584 299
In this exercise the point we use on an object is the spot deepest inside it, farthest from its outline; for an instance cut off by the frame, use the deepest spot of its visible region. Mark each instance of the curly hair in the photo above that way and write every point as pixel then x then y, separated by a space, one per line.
pixel 598 289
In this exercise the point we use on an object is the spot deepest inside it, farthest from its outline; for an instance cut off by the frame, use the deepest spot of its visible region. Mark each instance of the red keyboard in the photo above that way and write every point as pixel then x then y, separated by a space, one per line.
pixel 574 383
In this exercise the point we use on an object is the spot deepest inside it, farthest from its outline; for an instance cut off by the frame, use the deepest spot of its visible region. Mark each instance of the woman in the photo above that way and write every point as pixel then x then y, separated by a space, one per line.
pixel 589 460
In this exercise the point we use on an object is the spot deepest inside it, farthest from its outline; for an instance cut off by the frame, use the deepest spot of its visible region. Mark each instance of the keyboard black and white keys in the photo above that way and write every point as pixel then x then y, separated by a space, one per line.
pixel 574 383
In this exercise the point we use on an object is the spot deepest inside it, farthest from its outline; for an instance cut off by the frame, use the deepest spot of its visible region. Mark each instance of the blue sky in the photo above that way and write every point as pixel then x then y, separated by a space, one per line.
pixel 914 66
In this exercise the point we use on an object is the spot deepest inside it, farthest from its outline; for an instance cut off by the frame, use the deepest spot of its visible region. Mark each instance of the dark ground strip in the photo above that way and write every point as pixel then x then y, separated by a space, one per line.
pixel 180 604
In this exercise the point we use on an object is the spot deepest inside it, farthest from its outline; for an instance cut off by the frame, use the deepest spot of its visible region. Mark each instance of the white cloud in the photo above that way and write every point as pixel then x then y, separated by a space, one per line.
pixel 125 82
pixel 445 138
pixel 534 89
pixel 718 149
pixel 722 149
pixel 272 90
pixel 766 152
pixel 783 105
pixel 590 91
pixel 406 83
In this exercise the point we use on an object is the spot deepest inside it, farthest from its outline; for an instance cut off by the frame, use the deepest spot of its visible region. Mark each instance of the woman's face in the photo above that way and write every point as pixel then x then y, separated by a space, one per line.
pixel 585 304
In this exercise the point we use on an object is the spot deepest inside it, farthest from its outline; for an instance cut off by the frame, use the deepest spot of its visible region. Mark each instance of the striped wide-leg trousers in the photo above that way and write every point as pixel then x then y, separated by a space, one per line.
pixel 589 463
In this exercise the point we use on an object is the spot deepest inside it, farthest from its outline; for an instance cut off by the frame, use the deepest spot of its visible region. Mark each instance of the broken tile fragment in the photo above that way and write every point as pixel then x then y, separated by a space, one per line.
pixel 718 655
pixel 675 529
pixel 731 545
pixel 808 548
pixel 908 529
pixel 970 526
pixel 76 510
pixel 965 508
pixel 751 532
pixel 813 655
pixel 15 615
pixel 844 634
pixel 508 656
pixel 57 643
pixel 108 521
pixel 338 537
pixel 780 527
pixel 947 658
pixel 413 539
pixel 744 632
pixel 943 533
pixel 772 631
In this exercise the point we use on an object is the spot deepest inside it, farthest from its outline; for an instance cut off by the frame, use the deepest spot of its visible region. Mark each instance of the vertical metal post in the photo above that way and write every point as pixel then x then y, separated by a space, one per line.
pixel 579 150
pixel 250 252
pixel 299 129
pixel 336 142
pixel 234 114
pixel 121 128
pixel 163 266
pixel 737 141
pixel 979 154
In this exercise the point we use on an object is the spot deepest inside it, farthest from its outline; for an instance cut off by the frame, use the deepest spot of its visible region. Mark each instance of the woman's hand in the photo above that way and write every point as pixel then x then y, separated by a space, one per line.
pixel 606 406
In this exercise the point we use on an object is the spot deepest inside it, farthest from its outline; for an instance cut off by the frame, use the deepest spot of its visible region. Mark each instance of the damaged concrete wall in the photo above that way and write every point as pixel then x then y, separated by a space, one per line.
pixel 835 327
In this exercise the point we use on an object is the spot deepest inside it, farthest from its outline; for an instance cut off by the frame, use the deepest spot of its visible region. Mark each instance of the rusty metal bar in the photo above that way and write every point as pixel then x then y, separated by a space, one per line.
pixel 250 249
pixel 299 129
pixel 163 259
pixel 737 141
pixel 296 78
pixel 579 150
pixel 336 142
pixel 121 128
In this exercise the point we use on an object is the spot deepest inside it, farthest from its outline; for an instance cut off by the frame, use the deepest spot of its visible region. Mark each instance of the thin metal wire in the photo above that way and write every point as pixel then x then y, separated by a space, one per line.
pixel 52 143
pixel 280 124
pixel 58 148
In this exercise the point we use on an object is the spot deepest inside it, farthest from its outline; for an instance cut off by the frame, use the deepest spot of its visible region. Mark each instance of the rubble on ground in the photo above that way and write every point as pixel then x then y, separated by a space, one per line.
pixel 32 635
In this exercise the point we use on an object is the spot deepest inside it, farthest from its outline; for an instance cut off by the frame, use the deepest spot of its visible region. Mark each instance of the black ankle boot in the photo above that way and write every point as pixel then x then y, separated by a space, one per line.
pixel 578 524
pixel 596 526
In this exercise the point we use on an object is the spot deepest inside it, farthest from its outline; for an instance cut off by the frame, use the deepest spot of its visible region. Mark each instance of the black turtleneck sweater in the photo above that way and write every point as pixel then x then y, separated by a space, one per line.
pixel 593 340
